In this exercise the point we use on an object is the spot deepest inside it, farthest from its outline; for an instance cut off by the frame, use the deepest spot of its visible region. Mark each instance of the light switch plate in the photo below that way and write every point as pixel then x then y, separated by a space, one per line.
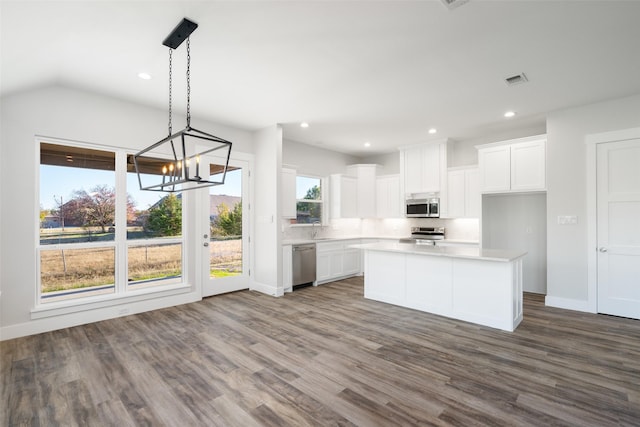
pixel 567 219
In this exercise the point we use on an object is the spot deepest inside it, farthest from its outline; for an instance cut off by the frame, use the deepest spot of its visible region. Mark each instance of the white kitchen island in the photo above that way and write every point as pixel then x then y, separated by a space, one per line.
pixel 482 286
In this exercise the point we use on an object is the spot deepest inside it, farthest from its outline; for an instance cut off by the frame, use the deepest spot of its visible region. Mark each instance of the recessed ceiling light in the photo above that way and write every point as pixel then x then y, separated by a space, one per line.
pixel 144 76
pixel 432 131
pixel 367 144
pixel 304 125
pixel 509 114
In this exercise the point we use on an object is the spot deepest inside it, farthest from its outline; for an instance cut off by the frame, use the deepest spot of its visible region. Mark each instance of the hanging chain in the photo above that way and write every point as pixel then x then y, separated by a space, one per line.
pixel 188 83
pixel 170 78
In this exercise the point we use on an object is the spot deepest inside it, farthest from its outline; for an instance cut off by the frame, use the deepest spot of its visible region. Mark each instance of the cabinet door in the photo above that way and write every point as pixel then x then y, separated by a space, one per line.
pixel 343 191
pixel 456 194
pixel 351 262
pixel 288 200
pixel 528 166
pixel 388 202
pixel 335 264
pixel 366 191
pixel 413 159
pixel 472 193
pixel 495 169
pixel 382 194
pixel 322 266
pixel 431 168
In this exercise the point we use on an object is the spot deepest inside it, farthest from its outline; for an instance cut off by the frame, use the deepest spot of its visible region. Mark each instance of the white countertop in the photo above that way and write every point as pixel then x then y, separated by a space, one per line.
pixel 502 255
pixel 336 239
pixel 332 239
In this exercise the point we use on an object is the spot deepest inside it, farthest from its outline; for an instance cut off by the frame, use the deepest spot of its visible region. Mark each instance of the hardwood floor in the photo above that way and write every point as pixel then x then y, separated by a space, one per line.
pixel 324 356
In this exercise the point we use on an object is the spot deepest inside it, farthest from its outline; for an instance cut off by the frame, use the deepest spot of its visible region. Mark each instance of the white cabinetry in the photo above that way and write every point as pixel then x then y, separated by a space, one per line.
pixel 424 168
pixel 463 193
pixel 366 189
pixel 336 260
pixel 513 166
pixel 287 268
pixel 288 200
pixel 388 200
pixel 342 196
pixel 353 195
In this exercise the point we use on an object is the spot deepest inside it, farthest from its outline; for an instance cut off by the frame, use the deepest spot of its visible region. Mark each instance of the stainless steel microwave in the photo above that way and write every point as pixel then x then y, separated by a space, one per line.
pixel 422 208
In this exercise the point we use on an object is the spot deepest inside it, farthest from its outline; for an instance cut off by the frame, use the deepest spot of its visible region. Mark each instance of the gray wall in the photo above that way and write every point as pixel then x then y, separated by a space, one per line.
pixel 567 190
pixel 519 221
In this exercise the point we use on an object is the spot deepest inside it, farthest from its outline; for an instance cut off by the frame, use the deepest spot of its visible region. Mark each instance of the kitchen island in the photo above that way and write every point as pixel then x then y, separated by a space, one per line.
pixel 483 286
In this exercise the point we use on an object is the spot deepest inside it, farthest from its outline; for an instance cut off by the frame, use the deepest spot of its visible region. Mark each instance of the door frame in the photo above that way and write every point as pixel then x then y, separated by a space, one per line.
pixel 202 226
pixel 591 141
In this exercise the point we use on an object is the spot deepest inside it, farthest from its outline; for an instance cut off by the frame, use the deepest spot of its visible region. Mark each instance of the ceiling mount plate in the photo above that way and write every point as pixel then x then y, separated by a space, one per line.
pixel 180 33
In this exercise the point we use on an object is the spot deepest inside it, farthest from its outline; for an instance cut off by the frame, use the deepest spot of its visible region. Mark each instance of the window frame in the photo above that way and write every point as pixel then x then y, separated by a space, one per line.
pixel 120 243
pixel 322 201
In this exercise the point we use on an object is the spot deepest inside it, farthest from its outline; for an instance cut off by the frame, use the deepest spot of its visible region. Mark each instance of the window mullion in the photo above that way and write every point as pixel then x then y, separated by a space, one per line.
pixel 121 222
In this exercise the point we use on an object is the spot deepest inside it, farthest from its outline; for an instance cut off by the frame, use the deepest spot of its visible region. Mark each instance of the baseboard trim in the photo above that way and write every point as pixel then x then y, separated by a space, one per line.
pixel 63 321
pixel 568 304
pixel 266 289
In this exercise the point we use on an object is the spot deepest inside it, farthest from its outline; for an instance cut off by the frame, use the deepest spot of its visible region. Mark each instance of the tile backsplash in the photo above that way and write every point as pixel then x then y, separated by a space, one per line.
pixel 456 229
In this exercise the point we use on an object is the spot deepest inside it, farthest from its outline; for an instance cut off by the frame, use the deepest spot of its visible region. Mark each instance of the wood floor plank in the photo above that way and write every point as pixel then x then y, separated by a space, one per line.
pixel 324 356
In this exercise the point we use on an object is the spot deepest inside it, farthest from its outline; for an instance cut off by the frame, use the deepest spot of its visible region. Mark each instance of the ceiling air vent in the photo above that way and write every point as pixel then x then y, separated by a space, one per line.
pixel 452 4
pixel 516 80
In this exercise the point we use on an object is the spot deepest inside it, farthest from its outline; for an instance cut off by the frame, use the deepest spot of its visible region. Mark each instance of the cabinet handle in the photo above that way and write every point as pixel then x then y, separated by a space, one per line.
pixel 603 249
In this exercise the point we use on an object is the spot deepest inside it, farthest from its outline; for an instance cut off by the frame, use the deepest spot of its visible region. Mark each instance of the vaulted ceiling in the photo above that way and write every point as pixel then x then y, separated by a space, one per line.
pixel 383 72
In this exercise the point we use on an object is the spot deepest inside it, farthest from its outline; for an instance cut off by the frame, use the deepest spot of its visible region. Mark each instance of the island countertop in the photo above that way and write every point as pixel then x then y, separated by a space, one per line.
pixel 500 255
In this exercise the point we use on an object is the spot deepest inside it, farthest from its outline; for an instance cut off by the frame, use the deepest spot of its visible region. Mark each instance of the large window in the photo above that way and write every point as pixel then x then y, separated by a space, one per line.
pixel 309 205
pixel 82 250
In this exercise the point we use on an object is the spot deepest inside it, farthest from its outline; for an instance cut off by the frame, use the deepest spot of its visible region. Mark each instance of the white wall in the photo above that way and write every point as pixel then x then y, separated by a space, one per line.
pixel 567 192
pixel 72 115
pixel 315 161
pixel 267 274
pixel 389 162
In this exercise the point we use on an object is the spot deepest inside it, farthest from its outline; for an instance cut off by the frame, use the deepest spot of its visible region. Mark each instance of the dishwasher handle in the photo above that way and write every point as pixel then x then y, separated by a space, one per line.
pixel 303 248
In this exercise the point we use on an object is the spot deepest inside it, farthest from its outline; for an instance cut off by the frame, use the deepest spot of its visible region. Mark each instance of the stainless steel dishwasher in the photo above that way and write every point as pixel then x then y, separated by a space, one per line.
pixel 304 264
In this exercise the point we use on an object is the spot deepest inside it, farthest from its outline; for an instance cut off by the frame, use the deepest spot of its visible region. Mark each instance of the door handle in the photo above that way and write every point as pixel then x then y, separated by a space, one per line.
pixel 603 249
pixel 205 244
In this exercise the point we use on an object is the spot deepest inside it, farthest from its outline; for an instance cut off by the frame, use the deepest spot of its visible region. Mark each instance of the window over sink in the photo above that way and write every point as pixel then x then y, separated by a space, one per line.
pixel 309 200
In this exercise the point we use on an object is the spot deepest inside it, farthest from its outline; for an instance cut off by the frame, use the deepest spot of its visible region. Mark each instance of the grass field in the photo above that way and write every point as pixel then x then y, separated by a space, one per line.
pixel 82 268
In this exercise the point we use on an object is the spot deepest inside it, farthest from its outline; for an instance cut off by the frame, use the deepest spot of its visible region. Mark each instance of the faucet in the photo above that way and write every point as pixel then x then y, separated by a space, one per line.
pixel 314 232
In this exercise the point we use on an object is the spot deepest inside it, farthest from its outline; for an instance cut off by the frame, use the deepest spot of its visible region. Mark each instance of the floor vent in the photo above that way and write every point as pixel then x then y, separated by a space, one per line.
pixel 516 80
pixel 452 4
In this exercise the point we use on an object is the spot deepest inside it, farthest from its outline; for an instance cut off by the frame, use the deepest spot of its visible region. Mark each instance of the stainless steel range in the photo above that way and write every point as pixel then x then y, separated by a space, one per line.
pixel 424 235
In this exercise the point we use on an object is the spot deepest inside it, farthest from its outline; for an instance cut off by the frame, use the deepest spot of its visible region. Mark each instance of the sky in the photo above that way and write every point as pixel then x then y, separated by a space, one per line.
pixel 57 181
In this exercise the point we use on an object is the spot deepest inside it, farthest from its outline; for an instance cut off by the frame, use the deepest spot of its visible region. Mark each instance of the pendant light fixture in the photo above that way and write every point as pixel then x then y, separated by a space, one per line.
pixel 173 163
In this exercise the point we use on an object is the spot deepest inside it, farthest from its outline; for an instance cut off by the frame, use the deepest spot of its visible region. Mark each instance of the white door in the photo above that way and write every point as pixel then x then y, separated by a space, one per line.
pixel 225 225
pixel 618 199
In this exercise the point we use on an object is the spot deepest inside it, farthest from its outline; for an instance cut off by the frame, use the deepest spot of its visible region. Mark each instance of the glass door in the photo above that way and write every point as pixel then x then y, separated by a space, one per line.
pixel 225 246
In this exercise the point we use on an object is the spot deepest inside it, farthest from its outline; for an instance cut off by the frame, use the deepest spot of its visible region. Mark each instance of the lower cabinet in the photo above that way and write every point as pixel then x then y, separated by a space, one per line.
pixel 335 260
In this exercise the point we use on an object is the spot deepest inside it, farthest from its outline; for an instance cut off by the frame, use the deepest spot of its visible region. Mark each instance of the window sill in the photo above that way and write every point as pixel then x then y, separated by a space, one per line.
pixel 52 309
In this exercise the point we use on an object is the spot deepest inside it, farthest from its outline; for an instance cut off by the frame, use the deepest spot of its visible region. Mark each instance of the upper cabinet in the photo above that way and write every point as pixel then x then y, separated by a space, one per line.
pixel 513 166
pixel 388 201
pixel 342 196
pixel 366 189
pixel 353 195
pixel 288 200
pixel 463 192
pixel 423 168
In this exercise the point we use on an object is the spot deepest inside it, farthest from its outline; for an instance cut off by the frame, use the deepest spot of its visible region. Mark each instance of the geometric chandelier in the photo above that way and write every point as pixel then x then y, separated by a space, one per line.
pixel 173 163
